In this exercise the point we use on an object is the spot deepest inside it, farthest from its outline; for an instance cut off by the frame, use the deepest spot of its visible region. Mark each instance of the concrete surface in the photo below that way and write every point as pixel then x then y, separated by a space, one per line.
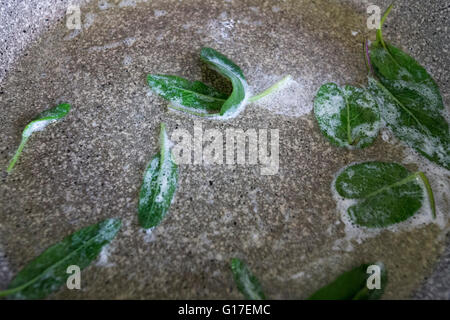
pixel 89 166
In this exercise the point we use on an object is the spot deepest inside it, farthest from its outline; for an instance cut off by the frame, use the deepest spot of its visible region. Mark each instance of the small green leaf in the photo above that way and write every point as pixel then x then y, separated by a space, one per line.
pixel 39 124
pixel 229 69
pixel 384 193
pixel 348 117
pixel 198 99
pixel 48 272
pixel 158 188
pixel 409 100
pixel 352 285
pixel 246 282
pixel 182 92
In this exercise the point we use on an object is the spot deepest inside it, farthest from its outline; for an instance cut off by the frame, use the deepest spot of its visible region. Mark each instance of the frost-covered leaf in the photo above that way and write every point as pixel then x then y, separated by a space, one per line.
pixel 347 116
pixel 384 193
pixel 229 69
pixel 246 282
pixel 409 101
pixel 352 285
pixel 182 92
pixel 48 272
pixel 158 188
pixel 38 124
pixel 199 99
pixel 196 98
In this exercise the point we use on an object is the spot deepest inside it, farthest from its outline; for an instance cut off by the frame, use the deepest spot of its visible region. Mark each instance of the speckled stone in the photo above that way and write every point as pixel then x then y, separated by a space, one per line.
pixel 89 166
pixel 21 22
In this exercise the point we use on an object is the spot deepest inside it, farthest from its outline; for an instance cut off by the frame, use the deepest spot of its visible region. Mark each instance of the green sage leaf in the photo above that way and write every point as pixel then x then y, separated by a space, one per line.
pixel 159 186
pixel 347 116
pixel 352 285
pixel 182 92
pixel 409 100
pixel 48 272
pixel 384 193
pixel 38 124
pixel 196 98
pixel 229 69
pixel 246 282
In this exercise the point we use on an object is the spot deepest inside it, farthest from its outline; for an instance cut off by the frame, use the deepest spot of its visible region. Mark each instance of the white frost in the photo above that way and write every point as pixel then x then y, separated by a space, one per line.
pixel 292 100
pixel 103 259
pixel 160 13
pixel 36 126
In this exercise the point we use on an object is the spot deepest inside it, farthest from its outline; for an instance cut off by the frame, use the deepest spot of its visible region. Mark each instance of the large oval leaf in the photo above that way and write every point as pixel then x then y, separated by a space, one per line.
pixel 48 272
pixel 38 124
pixel 229 69
pixel 181 92
pixel 158 188
pixel 352 285
pixel 410 101
pixel 348 117
pixel 246 282
pixel 384 193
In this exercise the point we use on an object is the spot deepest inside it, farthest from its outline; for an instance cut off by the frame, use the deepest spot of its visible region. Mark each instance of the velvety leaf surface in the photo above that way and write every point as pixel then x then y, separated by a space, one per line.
pixel 347 116
pixel 246 282
pixel 38 124
pixel 48 272
pixel 196 98
pixel 352 285
pixel 159 186
pixel 229 69
pixel 384 193
pixel 182 92
pixel 410 101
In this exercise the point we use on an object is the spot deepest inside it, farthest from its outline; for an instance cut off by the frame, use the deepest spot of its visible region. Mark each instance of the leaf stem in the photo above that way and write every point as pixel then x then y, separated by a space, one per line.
pixel 349 130
pixel 271 89
pixel 9 292
pixel 361 293
pixel 379 31
pixel 427 185
pixel 367 58
pixel 17 155
pixel 162 141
